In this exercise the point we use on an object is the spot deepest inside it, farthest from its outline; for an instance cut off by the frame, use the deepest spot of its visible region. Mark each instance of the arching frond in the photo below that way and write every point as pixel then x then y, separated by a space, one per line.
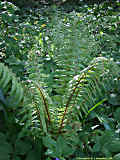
pixel 90 87
pixel 11 89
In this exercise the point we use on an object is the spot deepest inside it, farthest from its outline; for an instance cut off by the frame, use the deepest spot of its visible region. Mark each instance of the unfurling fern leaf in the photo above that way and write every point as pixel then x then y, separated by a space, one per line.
pixel 12 91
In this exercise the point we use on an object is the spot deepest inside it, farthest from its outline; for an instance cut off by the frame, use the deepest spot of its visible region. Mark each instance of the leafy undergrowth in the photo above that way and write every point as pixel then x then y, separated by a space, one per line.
pixel 67 62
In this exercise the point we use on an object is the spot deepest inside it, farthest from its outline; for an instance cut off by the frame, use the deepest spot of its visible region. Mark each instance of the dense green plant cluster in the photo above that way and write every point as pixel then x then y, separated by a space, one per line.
pixel 66 104
pixel 103 23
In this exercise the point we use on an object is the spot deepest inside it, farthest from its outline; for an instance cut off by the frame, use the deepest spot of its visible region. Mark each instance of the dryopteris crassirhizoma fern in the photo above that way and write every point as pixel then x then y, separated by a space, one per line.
pixel 86 91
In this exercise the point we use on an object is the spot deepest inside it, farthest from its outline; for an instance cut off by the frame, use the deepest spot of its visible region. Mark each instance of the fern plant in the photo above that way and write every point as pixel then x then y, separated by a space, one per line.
pixel 87 91
pixel 39 117
pixel 56 82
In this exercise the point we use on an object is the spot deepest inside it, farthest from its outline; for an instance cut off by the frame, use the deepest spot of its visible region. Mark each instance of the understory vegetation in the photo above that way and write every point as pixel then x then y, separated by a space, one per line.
pixel 59 80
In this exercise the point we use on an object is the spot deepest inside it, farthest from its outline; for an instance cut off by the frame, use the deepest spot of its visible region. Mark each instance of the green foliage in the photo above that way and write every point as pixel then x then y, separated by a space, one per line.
pixel 5 148
pixel 92 87
pixel 103 23
pixel 17 35
pixel 66 63
pixel 11 90
pixel 17 149
pixel 94 81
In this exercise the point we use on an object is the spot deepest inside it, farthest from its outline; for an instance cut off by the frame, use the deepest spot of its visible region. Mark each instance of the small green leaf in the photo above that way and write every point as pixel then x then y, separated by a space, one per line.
pixel 49 142
pixel 117 114
pixel 5 150
pixel 32 155
pixel 22 147
pixel 96 147
pixel 116 157
pixel 114 99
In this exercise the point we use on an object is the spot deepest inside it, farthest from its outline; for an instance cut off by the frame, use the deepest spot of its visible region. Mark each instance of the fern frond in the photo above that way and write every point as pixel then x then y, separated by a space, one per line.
pixel 37 108
pixel 44 99
pixel 90 87
pixel 12 90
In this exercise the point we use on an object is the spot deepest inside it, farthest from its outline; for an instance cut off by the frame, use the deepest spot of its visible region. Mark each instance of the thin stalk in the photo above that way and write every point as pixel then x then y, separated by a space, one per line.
pixel 96 105
pixel 45 103
pixel 70 97
pixel 67 104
